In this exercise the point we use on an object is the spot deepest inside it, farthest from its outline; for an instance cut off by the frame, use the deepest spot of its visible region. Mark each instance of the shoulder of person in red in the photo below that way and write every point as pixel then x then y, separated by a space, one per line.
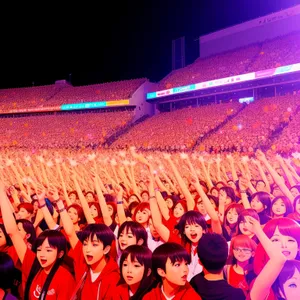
pixel 185 292
pixel 121 292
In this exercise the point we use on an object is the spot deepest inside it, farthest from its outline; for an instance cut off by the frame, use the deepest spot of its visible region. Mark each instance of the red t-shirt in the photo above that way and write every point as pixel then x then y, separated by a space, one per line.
pixel 237 280
pixel 58 289
pixel 104 285
pixel 185 292
pixel 121 292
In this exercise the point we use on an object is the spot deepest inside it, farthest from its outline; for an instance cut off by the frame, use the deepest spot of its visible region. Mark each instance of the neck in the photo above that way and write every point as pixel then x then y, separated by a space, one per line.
pixel 213 277
pixel 99 266
pixel 278 216
pixel 170 289
pixel 195 244
pixel 76 227
pixel 242 264
pixel 134 287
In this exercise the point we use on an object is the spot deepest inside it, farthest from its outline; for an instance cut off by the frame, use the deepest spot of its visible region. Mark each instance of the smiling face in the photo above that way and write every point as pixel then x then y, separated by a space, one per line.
pixel 132 271
pixel 46 255
pixel 287 244
pixel 24 214
pixel 93 251
pixel 278 208
pixel 176 273
pixel 126 239
pixel 292 286
pixel 244 229
pixel 193 232
pixel 242 254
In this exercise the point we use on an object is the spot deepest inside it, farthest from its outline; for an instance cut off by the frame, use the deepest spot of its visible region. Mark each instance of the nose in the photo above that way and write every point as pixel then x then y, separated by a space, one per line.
pixel 283 244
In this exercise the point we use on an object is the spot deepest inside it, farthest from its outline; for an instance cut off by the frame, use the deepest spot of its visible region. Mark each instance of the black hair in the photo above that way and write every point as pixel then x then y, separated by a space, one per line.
pixel 212 252
pixel 103 233
pixel 137 230
pixel 144 256
pixel 7 271
pixel 7 237
pixel 172 251
pixel 56 240
pixel 229 192
pixel 190 217
pixel 28 228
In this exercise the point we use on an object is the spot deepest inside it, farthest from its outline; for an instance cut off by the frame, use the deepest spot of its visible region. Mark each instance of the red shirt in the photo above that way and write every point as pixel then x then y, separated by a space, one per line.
pixel 237 280
pixel 121 292
pixel 106 282
pixel 58 288
pixel 185 292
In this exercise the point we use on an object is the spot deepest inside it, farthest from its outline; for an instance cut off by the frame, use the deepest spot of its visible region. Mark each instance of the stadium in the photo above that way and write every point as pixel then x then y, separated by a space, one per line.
pixel 196 175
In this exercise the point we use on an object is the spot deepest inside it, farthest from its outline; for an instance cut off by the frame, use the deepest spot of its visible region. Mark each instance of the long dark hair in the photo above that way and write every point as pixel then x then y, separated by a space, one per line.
pixel 144 256
pixel 28 228
pixel 56 240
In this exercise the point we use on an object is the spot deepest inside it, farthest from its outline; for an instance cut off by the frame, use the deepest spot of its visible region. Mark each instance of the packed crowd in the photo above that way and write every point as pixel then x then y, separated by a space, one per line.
pixel 177 130
pixel 253 127
pixel 58 94
pixel 132 225
pixel 270 54
pixel 68 130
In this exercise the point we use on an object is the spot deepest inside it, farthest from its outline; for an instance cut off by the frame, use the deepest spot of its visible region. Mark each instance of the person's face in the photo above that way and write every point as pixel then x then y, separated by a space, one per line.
pixel 72 197
pixel 232 184
pixel 242 254
pixel 294 192
pixel 94 211
pixel 24 214
pixel 132 199
pixel 132 271
pixel 22 232
pixel 175 273
pixel 257 205
pixel 292 286
pixel 89 197
pixel 126 239
pixel 287 244
pixel 93 251
pixel 73 215
pixel 142 217
pixel 278 208
pixel 145 197
pixel 277 192
pixel 110 210
pixel 46 255
pixel 227 200
pixel 244 229
pixel 260 186
pixel 169 203
pixel 2 238
pixel 193 232
pixel 178 210
pixel 232 216
pixel 200 207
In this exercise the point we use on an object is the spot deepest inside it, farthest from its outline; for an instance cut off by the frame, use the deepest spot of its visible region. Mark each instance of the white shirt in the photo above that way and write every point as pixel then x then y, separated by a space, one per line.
pixel 194 267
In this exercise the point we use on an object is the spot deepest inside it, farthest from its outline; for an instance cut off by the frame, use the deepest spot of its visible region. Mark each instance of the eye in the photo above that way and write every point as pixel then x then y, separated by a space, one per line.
pixel 292 286
pixel 291 240
pixel 124 264
pixel 95 245
pixel 275 240
pixel 176 264
pixel 137 265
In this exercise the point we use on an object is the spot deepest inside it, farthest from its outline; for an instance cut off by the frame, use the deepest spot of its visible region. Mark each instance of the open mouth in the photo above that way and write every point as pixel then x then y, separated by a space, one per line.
pixel 129 278
pixel 43 261
pixel 184 277
pixel 123 245
pixel 89 257
pixel 194 235
pixel 286 253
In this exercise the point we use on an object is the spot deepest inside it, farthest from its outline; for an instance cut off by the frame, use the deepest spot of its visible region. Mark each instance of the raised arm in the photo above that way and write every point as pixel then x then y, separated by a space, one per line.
pixel 11 225
pixel 262 175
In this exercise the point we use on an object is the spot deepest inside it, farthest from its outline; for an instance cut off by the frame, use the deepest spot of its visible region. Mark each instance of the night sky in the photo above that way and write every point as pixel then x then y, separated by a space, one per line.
pixel 114 40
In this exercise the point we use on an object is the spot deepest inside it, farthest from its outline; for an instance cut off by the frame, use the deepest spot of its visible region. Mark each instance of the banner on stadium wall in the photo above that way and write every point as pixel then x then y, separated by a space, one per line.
pixel 224 81
pixel 74 106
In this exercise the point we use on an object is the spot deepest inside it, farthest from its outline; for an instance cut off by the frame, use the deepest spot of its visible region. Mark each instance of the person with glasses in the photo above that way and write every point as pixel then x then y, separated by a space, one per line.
pixel 239 269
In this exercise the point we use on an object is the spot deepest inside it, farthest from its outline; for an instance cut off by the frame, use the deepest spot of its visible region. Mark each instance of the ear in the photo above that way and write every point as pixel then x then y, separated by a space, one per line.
pixel 149 272
pixel 106 249
pixel 140 242
pixel 161 272
pixel 27 236
pixel 61 254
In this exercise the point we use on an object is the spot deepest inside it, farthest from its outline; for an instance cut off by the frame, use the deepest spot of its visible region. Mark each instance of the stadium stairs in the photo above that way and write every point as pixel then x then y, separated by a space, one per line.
pixel 218 127
pixel 110 140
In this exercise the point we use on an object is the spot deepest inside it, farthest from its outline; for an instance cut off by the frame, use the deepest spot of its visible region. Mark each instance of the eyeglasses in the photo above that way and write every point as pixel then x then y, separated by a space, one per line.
pixel 243 250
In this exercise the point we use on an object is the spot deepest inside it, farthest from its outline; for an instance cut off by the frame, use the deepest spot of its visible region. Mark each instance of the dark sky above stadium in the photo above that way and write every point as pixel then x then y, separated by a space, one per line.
pixel 110 40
